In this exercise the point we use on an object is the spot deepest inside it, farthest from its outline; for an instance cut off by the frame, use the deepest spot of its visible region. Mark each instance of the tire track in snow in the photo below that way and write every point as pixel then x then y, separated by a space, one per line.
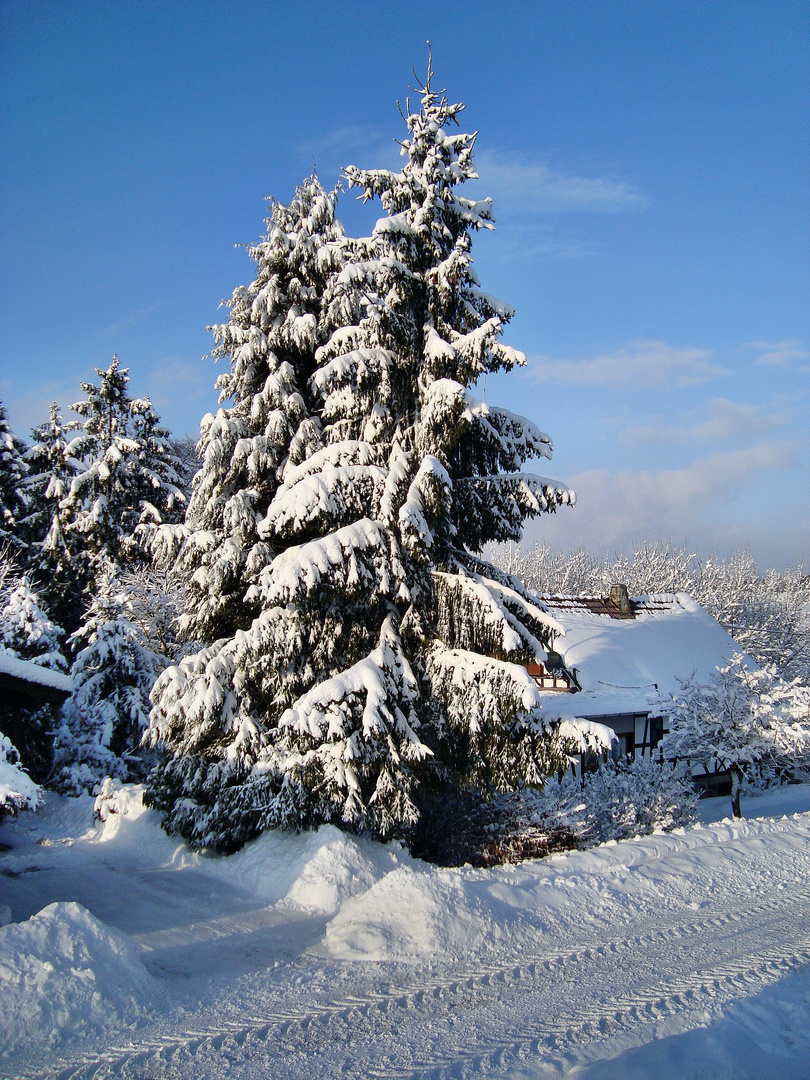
pixel 781 943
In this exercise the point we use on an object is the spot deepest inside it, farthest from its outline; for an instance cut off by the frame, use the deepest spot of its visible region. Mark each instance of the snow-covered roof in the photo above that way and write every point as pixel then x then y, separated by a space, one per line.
pixel 623 661
pixel 29 672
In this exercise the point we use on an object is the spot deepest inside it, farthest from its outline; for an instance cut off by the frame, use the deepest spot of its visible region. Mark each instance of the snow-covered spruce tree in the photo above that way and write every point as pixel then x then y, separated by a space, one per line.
pixel 746 720
pixel 12 475
pixel 127 477
pixel 47 558
pixel 104 720
pixel 383 654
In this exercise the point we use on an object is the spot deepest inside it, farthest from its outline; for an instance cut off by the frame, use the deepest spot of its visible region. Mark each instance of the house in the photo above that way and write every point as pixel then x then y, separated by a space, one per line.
pixel 24 687
pixel 619 656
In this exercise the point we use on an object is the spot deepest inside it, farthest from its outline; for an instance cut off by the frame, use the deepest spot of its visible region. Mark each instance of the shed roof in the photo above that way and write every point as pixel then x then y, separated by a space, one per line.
pixel 26 676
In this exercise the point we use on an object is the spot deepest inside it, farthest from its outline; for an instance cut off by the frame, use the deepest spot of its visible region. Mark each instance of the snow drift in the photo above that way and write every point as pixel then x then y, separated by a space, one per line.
pixel 65 974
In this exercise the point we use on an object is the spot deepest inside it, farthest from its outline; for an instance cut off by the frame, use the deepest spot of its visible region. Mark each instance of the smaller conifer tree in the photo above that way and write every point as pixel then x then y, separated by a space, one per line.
pixel 103 722
pixel 48 558
pixel 126 478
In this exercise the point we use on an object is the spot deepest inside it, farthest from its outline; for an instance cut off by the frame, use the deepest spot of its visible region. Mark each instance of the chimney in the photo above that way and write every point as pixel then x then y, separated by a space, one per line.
pixel 619 598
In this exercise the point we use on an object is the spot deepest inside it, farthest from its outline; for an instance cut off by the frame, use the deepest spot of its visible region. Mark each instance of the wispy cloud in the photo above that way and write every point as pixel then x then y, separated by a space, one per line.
pixel 358 144
pixel 127 322
pixel 523 186
pixel 176 384
pixel 779 353
pixel 534 243
pixel 644 363
pixel 28 405
pixel 717 420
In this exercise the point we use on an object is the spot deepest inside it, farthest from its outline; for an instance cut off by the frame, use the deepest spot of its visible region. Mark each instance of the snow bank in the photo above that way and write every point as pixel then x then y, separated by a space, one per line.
pixel 410 915
pixel 63 973
pixel 317 870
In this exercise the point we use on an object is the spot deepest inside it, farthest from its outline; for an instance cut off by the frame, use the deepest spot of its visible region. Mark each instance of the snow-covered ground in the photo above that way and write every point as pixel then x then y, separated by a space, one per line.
pixel 677 955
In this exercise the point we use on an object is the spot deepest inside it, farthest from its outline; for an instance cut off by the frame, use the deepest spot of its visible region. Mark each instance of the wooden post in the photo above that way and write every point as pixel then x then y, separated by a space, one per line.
pixel 736 783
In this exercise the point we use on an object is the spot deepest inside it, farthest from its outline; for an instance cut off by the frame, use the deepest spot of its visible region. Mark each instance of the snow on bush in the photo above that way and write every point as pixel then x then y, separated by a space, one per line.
pixel 64 974
pixel 17 790
pixel 115 798
pixel 618 801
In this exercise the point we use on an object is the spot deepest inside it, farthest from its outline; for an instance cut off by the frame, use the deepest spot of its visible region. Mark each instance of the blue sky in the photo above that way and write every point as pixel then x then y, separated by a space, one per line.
pixel 649 168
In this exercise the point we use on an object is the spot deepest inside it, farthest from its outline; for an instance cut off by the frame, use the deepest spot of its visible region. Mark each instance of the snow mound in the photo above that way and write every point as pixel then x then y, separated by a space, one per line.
pixel 63 973
pixel 116 801
pixel 409 915
pixel 316 870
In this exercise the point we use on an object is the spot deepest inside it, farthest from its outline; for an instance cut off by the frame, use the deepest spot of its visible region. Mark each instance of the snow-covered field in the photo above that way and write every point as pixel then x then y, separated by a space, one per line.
pixel 677 955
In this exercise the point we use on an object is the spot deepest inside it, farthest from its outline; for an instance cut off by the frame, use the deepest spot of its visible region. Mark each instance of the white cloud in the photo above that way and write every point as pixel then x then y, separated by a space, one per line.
pixel 779 353
pixel 616 509
pixel 645 363
pixel 527 187
pixel 718 420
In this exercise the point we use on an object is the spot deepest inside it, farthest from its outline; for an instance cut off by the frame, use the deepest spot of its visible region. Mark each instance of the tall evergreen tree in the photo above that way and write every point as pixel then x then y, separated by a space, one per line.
pixel 382 651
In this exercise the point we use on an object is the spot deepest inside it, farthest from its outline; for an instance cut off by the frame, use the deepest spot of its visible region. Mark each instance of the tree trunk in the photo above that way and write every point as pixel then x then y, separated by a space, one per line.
pixel 736 783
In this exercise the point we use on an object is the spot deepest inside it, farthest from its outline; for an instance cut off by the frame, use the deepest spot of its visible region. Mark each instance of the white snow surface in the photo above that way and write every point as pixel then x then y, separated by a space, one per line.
pixel 678 955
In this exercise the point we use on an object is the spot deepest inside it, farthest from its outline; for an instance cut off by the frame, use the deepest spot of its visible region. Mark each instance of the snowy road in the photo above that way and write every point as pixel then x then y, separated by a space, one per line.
pixel 554 968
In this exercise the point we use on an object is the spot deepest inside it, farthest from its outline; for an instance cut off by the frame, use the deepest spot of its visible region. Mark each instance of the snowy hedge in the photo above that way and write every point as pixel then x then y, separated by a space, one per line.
pixel 617 802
